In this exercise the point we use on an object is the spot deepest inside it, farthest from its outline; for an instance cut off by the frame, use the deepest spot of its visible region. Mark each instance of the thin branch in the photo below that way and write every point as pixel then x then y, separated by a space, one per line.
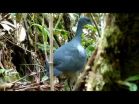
pixel 44 40
pixel 55 36
pixel 25 77
pixel 51 52
pixel 33 65
pixel 95 24
pixel 18 45
pixel 81 79
pixel 60 17
pixel 4 17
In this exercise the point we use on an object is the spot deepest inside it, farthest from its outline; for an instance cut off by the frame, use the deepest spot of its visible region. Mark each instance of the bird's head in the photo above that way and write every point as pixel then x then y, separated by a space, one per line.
pixel 84 21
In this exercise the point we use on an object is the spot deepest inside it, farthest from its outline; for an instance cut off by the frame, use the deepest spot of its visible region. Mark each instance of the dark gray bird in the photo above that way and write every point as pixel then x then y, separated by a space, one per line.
pixel 71 57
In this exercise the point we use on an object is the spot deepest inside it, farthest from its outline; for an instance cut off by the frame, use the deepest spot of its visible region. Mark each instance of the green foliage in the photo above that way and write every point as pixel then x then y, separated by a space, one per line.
pixel 45 34
pixel 88 40
pixel 89 50
pixel 90 27
pixel 36 27
pixel 2 71
pixel 130 82
pixel 43 47
pixel 62 33
pixel 131 86
pixel 43 29
pixel 133 78
pixel 66 86
pixel 44 78
pixel 7 75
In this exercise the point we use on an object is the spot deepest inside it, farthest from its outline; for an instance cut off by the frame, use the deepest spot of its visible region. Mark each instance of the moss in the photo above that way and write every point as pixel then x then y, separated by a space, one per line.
pixel 118 52
pixel 105 64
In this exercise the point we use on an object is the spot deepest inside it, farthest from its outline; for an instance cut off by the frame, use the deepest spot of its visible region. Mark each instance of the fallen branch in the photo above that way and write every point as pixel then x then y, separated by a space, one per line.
pixel 81 79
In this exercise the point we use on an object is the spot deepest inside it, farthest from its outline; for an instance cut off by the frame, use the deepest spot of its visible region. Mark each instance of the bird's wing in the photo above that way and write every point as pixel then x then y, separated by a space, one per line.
pixel 68 59
pixel 64 54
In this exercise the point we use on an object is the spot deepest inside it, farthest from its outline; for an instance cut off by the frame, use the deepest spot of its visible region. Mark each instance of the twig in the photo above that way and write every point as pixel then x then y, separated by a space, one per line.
pixel 33 64
pixel 82 77
pixel 25 77
pixel 27 88
pixel 58 20
pixel 95 24
pixel 5 17
pixel 55 28
pixel 17 45
pixel 51 52
pixel 44 41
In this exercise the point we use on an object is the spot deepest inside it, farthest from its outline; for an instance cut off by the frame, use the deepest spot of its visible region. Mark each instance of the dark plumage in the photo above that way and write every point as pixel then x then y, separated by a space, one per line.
pixel 71 57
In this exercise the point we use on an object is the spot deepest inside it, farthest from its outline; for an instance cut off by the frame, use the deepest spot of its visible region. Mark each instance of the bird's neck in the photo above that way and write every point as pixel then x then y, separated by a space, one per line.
pixel 78 34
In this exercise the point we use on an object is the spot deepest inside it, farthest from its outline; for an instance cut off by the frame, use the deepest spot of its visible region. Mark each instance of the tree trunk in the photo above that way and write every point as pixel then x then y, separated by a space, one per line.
pixel 117 55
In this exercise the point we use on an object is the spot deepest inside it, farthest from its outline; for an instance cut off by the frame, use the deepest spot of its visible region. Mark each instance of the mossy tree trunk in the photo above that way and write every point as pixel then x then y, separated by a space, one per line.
pixel 117 55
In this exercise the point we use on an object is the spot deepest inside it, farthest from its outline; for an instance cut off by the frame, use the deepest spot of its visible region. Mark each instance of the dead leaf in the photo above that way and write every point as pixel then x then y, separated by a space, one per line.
pixel 22 34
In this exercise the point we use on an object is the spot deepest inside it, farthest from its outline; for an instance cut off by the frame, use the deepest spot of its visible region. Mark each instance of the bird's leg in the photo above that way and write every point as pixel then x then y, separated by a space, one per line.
pixel 69 84
pixel 72 77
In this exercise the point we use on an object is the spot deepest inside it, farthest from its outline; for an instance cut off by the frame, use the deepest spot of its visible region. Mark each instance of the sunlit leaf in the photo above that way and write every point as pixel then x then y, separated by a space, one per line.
pixel 43 29
pixel 91 27
pixel 2 71
pixel 133 78
pixel 44 78
pixel 43 47
pixel 133 87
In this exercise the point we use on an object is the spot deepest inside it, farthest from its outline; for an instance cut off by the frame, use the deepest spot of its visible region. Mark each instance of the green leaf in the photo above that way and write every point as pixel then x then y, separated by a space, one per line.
pixel 2 71
pixel 133 78
pixel 43 47
pixel 91 27
pixel 44 78
pixel 45 32
pixel 62 31
pixel 133 87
